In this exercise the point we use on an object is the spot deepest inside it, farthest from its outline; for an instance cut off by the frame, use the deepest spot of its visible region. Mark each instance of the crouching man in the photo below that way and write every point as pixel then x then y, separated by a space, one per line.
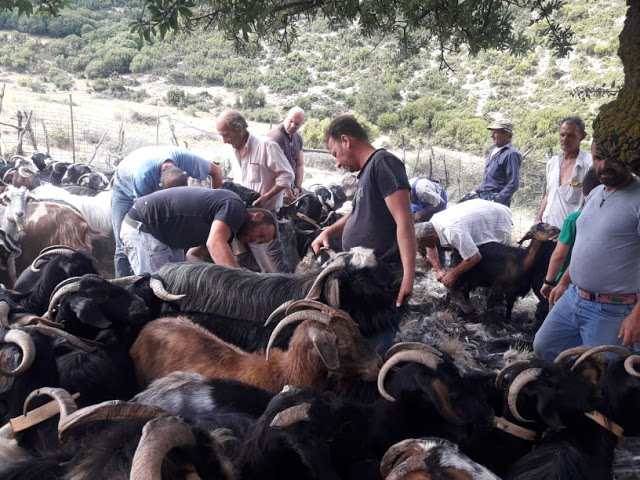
pixel 161 225
pixel 463 227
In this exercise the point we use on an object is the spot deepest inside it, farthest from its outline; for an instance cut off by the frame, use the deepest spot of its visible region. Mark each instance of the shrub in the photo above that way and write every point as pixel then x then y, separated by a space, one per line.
pixel 252 98
pixel 176 97
pixel 388 121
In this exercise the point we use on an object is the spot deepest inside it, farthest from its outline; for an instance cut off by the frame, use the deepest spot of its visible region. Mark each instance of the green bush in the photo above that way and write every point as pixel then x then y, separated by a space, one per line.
pixel 388 121
pixel 252 98
pixel 176 97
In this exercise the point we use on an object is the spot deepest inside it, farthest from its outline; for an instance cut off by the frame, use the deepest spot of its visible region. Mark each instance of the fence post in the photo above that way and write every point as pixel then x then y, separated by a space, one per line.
pixel 73 140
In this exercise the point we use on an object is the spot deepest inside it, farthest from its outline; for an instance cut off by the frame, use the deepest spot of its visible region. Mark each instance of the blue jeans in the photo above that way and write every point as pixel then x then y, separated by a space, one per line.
pixel 574 321
pixel 145 252
pixel 120 206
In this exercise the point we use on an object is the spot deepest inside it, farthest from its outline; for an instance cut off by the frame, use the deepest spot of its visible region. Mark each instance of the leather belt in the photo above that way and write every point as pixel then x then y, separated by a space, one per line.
pixel 615 298
pixel 135 224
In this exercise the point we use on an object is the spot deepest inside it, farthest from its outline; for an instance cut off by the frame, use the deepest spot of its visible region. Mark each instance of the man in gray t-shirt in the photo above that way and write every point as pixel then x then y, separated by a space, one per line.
pixel 600 306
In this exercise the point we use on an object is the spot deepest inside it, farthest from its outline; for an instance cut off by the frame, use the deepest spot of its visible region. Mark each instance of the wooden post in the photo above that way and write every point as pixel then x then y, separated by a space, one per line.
pixel 73 140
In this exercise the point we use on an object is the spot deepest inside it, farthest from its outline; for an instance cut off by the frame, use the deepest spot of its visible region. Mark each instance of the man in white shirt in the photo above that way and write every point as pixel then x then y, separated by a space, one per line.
pixel 260 165
pixel 463 227
pixel 565 173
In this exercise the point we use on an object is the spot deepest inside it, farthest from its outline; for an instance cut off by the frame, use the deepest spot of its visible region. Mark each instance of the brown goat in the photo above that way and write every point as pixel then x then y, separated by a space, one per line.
pixel 319 344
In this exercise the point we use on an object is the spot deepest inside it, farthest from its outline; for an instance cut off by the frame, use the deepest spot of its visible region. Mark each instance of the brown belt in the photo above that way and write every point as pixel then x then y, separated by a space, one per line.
pixel 615 298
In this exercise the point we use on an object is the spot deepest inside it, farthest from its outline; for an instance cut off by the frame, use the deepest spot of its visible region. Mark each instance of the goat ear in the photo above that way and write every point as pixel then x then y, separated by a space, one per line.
pixel 549 415
pixel 324 342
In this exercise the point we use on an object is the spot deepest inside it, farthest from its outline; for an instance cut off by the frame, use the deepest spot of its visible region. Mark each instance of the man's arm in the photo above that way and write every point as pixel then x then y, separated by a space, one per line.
pixel 555 264
pixel 465 265
pixel 559 289
pixel 216 175
pixel 512 166
pixel 334 230
pixel 218 246
pixel 543 206
pixel 299 173
pixel 630 328
pixel 434 258
pixel 400 208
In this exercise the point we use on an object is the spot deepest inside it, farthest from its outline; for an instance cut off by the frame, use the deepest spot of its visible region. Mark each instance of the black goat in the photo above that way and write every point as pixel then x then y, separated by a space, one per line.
pixel 246 194
pixel 511 272
pixel 353 282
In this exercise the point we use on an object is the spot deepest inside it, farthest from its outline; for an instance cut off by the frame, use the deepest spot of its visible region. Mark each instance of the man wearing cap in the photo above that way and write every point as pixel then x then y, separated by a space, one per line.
pixel 501 176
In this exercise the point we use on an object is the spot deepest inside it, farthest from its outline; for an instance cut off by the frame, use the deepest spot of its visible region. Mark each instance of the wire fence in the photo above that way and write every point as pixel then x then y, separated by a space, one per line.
pixel 68 133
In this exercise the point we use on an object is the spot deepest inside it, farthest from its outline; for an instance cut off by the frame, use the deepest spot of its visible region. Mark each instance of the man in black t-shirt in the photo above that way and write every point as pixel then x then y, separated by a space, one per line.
pixel 161 225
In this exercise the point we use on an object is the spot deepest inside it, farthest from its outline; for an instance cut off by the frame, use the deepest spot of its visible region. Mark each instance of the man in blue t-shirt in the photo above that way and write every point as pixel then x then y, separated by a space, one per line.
pixel 139 175
pixel 161 225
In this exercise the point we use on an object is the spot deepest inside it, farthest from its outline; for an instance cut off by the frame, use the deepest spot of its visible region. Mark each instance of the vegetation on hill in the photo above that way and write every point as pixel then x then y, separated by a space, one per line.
pixel 333 68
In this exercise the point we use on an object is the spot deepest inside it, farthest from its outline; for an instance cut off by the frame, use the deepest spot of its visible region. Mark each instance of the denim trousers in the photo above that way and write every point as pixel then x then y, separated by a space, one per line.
pixel 120 206
pixel 146 253
pixel 574 321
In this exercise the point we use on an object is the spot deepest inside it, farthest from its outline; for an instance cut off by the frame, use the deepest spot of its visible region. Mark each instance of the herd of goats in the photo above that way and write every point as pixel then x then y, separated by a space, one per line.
pixel 204 371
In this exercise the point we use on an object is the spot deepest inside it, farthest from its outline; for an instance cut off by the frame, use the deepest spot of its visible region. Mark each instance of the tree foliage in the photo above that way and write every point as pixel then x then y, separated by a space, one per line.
pixel 414 24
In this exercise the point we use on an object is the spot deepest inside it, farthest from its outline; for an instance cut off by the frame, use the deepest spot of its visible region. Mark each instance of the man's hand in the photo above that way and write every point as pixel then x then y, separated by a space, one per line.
pixel 406 289
pixel 556 293
pixel 630 328
pixel 321 242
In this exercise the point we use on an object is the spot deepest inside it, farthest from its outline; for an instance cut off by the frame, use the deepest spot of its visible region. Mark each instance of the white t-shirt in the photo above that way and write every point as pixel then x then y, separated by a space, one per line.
pixel 466 225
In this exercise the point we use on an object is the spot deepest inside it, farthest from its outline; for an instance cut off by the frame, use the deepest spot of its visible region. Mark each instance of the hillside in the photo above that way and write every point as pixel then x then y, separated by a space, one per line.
pixel 173 88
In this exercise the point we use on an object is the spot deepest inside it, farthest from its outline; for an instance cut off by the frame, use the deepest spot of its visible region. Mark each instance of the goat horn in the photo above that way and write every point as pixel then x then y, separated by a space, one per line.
pixel 159 437
pixel 30 319
pixel 25 342
pixel 629 365
pixel 290 416
pixel 64 250
pixel 570 352
pixel 397 450
pixel 82 177
pixel 623 352
pixel 402 346
pixel 4 313
pixel 70 285
pixel 335 266
pixel 287 306
pixel 295 317
pixel 419 356
pixel 111 410
pixel 56 332
pixel 6 175
pixel 158 289
pixel 124 281
pixel 66 403
pixel 520 381
pixel 502 373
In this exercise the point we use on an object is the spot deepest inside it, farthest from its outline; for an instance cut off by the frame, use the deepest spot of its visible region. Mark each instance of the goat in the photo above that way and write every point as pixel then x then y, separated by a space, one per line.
pixel 353 282
pixel 511 272
pixel 23 173
pixel 41 224
pixel 432 457
pixel 319 344
pixel 94 181
pixel 247 195
pixel 96 210
pixel 118 440
pixel 74 172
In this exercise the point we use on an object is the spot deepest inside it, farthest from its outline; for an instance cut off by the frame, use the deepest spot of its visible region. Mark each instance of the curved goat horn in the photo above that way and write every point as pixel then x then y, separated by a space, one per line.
pixel 70 285
pixel 57 333
pixel 629 365
pixel 290 416
pixel 418 356
pixel 66 403
pixel 124 281
pixel 502 373
pixel 295 317
pixel 623 352
pixel 50 251
pixel 287 306
pixel 158 289
pixel 570 352
pixel 4 313
pixel 112 410
pixel 402 346
pixel 159 437
pixel 520 381
pixel 335 266
pixel 25 342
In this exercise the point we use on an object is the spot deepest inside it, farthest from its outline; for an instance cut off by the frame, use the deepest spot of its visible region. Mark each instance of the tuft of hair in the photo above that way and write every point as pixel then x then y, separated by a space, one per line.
pixel 362 257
